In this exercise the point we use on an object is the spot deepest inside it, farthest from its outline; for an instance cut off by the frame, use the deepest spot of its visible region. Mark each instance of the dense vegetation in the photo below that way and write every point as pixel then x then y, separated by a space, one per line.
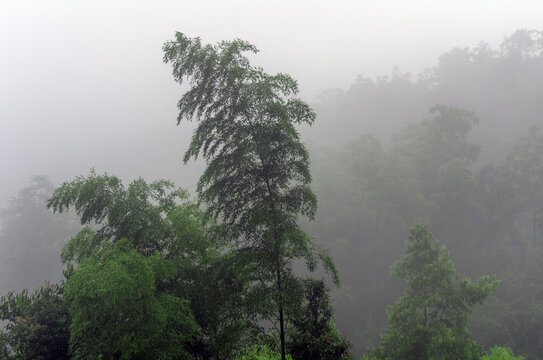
pixel 474 176
pixel 234 274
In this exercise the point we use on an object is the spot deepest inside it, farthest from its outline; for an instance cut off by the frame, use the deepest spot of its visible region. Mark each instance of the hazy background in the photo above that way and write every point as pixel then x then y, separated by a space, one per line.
pixel 82 83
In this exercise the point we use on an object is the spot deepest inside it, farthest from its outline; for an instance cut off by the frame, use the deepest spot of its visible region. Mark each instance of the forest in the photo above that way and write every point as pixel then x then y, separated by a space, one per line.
pixel 401 218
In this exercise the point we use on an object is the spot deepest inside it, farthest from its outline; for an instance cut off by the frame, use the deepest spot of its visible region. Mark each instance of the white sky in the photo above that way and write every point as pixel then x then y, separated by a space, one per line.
pixel 78 72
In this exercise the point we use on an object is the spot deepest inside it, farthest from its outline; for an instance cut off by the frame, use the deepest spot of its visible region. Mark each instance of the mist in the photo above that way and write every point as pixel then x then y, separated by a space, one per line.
pixel 426 113
pixel 79 80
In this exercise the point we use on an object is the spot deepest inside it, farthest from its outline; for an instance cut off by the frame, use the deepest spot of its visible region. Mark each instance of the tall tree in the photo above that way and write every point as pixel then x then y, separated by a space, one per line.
pixel 257 177
pixel 430 320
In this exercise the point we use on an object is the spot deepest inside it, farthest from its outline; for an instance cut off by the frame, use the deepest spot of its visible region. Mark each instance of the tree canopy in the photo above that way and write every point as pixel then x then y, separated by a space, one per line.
pixel 152 262
pixel 256 183
pixel 118 313
pixel 36 325
pixel 430 321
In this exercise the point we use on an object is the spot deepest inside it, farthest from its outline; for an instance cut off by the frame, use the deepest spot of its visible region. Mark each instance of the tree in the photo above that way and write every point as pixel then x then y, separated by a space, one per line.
pixel 430 320
pixel 117 312
pixel 257 178
pixel 434 142
pixel 526 163
pixel 137 213
pixel 31 234
pixel 36 325
pixel 314 335
pixel 153 220
pixel 513 316
pixel 501 353
pixel 442 155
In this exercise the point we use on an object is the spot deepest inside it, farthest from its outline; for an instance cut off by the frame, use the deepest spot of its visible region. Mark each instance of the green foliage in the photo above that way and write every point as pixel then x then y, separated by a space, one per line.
pixel 257 178
pixel 261 353
pixel 371 192
pixel 513 320
pixel 314 335
pixel 137 213
pixel 36 325
pixel 117 313
pixel 430 320
pixel 489 216
pixel 192 265
pixel 501 353
pixel 257 167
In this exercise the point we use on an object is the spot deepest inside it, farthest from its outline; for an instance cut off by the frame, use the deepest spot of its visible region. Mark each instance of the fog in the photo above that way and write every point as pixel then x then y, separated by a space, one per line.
pixel 427 112
pixel 83 82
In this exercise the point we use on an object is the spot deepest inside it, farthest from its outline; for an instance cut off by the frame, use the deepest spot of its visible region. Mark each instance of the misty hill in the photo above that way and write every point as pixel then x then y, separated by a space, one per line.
pixel 503 86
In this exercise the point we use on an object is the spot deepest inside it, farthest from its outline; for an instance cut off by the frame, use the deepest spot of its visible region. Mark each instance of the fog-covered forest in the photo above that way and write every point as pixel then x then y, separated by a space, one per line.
pixel 447 169
pixel 400 217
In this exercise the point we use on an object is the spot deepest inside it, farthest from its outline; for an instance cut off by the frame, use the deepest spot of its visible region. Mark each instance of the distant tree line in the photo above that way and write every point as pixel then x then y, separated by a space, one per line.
pixel 432 171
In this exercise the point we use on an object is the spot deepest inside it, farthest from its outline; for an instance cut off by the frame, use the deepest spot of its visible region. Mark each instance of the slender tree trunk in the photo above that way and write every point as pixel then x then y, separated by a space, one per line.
pixel 276 236
pixel 425 320
pixel 278 270
pixel 281 316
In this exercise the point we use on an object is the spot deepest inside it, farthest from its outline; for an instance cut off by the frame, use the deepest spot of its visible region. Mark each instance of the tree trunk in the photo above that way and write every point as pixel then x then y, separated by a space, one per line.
pixel 281 317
